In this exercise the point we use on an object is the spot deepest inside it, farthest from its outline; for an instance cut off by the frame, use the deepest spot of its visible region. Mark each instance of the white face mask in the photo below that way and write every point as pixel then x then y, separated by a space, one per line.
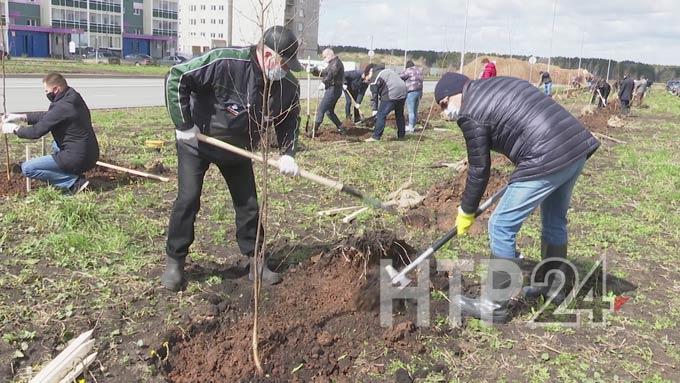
pixel 276 74
pixel 451 112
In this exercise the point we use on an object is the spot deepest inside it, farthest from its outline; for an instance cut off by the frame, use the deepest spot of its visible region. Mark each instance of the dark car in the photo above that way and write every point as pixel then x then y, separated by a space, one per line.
pixel 139 59
pixel 173 60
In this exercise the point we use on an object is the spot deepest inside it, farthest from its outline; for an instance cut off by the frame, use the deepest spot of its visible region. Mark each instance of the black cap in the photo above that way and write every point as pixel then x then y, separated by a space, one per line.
pixel 283 42
pixel 450 84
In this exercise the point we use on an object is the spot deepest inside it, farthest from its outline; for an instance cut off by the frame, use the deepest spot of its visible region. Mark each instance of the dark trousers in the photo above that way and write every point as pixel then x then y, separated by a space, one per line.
pixel 191 168
pixel 349 107
pixel 327 106
pixel 625 106
pixel 385 107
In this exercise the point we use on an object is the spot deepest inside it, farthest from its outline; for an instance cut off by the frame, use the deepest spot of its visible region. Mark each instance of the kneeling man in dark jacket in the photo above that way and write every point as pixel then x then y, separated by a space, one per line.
pixel 75 149
pixel 549 148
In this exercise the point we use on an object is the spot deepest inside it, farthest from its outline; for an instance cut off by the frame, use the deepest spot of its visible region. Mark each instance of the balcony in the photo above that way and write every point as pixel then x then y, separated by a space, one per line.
pixel 165 14
pixel 165 32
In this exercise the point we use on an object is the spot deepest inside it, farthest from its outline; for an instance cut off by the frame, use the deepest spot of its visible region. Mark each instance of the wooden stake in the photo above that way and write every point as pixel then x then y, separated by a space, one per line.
pixel 609 138
pixel 44 148
pixel 336 210
pixel 135 172
pixel 28 180
pixel 9 171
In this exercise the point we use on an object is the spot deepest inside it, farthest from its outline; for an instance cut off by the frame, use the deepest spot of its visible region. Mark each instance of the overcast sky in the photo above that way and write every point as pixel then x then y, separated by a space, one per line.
pixel 639 30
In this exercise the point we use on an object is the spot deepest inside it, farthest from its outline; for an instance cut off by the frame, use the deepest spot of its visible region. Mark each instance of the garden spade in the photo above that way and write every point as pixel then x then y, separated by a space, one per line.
pixel 333 184
pixel 401 280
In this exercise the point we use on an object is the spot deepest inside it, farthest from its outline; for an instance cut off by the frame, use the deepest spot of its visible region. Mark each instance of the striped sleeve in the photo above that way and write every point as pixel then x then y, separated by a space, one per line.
pixel 194 76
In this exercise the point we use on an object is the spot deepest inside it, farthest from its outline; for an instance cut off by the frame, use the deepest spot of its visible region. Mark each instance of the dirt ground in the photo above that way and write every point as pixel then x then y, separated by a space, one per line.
pixel 312 328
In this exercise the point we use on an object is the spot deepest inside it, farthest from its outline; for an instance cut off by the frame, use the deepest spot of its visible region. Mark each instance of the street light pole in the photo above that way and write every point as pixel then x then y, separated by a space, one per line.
pixel 552 33
pixel 462 53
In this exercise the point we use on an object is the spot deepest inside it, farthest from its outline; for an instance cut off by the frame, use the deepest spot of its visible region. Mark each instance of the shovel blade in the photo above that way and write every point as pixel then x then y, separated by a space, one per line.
pixel 397 279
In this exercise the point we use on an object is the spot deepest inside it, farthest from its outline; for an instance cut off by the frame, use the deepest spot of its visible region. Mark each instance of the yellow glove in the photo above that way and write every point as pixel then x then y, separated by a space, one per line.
pixel 464 221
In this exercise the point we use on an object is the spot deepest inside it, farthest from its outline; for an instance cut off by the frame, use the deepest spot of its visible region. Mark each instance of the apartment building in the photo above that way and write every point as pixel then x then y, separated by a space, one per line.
pixel 44 28
pixel 204 25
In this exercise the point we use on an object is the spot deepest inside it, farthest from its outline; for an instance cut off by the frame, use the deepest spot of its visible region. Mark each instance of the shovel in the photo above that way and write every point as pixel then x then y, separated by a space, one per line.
pixel 401 280
pixel 337 185
pixel 354 104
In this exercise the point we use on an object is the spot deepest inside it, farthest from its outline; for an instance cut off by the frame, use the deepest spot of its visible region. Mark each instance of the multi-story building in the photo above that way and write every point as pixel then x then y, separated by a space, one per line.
pixel 204 25
pixel 44 28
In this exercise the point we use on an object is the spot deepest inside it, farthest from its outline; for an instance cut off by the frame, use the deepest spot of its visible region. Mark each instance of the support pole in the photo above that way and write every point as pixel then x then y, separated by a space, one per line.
pixel 28 157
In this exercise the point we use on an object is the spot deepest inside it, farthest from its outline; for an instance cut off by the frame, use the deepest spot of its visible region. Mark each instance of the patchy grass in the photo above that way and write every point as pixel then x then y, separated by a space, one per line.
pixel 42 66
pixel 73 263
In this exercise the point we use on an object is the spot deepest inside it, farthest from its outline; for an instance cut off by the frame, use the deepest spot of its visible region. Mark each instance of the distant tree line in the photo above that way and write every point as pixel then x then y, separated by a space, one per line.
pixel 597 66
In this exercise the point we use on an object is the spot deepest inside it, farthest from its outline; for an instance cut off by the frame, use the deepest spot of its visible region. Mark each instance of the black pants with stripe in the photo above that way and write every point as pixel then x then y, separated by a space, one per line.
pixel 191 169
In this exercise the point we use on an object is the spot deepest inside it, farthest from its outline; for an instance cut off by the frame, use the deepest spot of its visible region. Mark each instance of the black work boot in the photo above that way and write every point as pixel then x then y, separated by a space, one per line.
pixel 557 274
pixel 342 130
pixel 268 277
pixel 173 276
pixel 488 306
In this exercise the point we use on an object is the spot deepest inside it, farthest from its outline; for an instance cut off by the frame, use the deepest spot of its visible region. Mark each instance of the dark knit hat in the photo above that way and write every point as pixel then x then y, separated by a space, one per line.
pixel 450 84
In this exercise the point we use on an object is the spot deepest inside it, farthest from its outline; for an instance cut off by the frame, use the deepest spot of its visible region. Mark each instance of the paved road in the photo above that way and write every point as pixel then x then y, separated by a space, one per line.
pixel 26 94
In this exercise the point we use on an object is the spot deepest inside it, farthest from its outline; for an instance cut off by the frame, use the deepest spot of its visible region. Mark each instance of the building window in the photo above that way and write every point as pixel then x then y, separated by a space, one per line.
pixel 203 34
pixel 213 7
pixel 221 7
pixel 301 27
pixel 212 35
pixel 212 21
pixel 221 35
pixel 301 13
pixel 221 21
pixel 202 7
pixel 137 12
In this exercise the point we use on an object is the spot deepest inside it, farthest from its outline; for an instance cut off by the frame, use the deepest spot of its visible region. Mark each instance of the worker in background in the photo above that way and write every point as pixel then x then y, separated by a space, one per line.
pixel 548 147
pixel 220 94
pixel 332 79
pixel 413 77
pixel 640 90
pixel 388 93
pixel 601 90
pixel 75 149
pixel 626 93
pixel 489 69
pixel 546 81
pixel 355 88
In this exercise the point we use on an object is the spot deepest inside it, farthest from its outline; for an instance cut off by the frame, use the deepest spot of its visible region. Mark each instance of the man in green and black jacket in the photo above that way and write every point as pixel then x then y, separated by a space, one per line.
pixel 221 94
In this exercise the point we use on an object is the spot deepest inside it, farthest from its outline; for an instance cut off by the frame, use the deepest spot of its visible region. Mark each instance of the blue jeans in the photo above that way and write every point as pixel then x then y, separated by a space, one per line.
pixel 45 168
pixel 327 106
pixel 412 101
pixel 552 193
pixel 385 107
pixel 547 88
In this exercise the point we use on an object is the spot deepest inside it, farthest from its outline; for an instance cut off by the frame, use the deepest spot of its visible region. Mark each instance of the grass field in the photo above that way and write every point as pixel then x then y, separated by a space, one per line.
pixel 68 264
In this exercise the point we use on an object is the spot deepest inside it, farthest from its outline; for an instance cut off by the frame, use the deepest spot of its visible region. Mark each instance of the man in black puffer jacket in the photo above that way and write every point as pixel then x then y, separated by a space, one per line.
pixel 75 149
pixel 549 148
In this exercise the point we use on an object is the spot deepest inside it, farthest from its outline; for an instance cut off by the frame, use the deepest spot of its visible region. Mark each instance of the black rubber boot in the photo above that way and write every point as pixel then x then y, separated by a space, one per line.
pixel 555 283
pixel 486 307
pixel 342 130
pixel 173 276
pixel 268 277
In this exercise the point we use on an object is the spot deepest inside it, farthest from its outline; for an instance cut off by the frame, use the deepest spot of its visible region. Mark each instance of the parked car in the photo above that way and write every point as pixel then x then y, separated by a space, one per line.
pixel 173 60
pixel 103 54
pixel 139 59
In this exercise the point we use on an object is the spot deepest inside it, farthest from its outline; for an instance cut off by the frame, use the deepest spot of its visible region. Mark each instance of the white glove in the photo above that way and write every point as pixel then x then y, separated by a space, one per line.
pixel 188 138
pixel 288 166
pixel 374 113
pixel 9 128
pixel 322 86
pixel 12 117
pixel 344 86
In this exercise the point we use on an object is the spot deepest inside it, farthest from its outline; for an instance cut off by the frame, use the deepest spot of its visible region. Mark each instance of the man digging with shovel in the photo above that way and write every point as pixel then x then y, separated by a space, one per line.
pixel 220 94
pixel 549 148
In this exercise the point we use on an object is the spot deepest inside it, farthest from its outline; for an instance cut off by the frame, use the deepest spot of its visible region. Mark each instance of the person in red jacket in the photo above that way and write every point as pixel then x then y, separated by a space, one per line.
pixel 489 69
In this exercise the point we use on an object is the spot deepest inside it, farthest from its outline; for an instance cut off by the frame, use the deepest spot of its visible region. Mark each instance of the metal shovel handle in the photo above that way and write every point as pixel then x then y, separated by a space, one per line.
pixel 400 278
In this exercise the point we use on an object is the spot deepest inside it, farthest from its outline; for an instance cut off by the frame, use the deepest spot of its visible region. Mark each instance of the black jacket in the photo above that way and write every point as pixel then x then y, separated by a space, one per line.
pixel 626 89
pixel 334 73
pixel 68 119
pixel 514 118
pixel 545 78
pixel 222 91
pixel 355 84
